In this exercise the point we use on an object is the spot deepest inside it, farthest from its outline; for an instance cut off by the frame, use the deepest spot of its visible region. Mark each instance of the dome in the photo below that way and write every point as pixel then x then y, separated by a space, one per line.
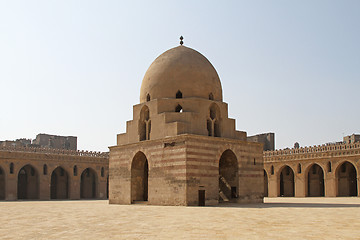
pixel 181 69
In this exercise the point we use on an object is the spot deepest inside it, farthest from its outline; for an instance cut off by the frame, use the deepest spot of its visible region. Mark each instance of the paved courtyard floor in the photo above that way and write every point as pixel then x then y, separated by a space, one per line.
pixel 277 218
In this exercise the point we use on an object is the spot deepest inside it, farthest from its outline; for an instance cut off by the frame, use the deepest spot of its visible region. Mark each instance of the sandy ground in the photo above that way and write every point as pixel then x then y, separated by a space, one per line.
pixel 277 218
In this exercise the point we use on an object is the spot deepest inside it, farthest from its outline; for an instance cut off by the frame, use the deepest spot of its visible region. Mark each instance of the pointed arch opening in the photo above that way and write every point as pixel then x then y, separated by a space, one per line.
pixel 178 108
pixel 211 96
pixel 266 192
pixel 213 121
pixel 88 185
pixel 2 184
pixel 148 97
pixel 329 166
pixel 315 181
pixel 28 183
pixel 286 182
pixel 59 187
pixel 346 180
pixel 139 178
pixel 75 171
pixel 45 169
pixel 107 187
pixel 102 173
pixel 179 94
pixel 228 176
pixel 11 168
pixel 144 124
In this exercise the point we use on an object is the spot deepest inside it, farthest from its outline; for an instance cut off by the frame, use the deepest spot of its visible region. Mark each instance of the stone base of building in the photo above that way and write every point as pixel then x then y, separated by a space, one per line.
pixel 186 170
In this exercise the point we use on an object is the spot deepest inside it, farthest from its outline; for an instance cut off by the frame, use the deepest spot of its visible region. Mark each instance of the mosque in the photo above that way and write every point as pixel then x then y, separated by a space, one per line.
pixel 180 148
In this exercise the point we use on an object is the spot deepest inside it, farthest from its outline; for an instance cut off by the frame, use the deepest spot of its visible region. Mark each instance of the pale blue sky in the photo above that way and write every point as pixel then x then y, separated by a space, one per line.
pixel 75 67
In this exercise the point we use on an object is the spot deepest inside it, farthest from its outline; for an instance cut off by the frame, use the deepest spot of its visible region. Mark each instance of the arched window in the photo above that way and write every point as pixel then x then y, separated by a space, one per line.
pixel 254 161
pixel 144 124
pixel 272 170
pixel 213 121
pixel 179 94
pixel 11 168
pixel 45 169
pixel 102 172
pixel 148 97
pixel 75 170
pixel 329 166
pixel 299 168
pixel 178 108
pixel 211 96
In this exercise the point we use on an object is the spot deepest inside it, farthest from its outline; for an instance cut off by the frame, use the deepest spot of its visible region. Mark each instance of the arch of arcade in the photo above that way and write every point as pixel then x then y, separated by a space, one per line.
pixel 330 170
pixel 44 174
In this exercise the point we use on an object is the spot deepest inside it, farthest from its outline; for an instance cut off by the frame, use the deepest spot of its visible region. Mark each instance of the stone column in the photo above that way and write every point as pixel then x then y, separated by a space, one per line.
pixel 74 186
pixel 102 188
pixel 44 186
pixel 11 187
pixel 330 184
pixel 273 188
pixel 300 185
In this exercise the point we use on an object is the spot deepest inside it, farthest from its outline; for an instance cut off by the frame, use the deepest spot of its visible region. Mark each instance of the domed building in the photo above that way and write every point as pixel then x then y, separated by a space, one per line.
pixel 181 148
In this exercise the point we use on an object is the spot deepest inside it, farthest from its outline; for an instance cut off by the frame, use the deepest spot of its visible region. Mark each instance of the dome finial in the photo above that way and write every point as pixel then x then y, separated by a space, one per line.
pixel 181 40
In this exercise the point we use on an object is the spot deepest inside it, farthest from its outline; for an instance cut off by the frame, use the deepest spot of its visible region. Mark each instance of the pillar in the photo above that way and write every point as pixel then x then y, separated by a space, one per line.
pixel 11 187
pixel 330 184
pixel 272 187
pixel 300 185
pixel 74 185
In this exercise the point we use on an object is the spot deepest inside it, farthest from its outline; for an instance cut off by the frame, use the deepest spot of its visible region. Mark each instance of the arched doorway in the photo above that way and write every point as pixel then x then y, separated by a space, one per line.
pixel 107 187
pixel 346 180
pixel 265 184
pixel 139 177
pixel 228 176
pixel 286 182
pixel 28 183
pixel 59 184
pixel 2 184
pixel 315 181
pixel 88 187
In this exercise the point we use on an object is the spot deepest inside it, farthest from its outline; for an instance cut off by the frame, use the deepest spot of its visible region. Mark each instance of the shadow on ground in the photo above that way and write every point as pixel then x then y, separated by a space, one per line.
pixel 288 205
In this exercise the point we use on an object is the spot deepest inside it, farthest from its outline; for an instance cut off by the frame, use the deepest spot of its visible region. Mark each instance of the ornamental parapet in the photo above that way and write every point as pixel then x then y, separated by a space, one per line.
pixel 330 149
pixel 55 151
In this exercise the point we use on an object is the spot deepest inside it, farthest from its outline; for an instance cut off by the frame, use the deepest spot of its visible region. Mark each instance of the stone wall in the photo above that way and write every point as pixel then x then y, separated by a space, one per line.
pixel 40 164
pixel 315 168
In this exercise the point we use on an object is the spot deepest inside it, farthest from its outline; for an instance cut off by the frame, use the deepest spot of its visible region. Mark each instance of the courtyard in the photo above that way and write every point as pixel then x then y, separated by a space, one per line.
pixel 277 218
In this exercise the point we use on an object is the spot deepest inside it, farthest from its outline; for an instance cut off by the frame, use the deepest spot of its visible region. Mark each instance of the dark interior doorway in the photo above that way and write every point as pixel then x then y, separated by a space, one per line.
pixel 201 197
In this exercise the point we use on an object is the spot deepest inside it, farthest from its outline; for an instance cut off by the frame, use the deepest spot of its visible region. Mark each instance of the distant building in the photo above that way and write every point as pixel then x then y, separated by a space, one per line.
pixel 22 142
pixel 352 138
pixel 268 139
pixel 54 141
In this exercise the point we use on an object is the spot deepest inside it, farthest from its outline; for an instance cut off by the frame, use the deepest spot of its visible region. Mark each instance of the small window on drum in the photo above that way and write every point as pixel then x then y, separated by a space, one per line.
pixel 179 94
pixel 178 108
pixel 211 96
